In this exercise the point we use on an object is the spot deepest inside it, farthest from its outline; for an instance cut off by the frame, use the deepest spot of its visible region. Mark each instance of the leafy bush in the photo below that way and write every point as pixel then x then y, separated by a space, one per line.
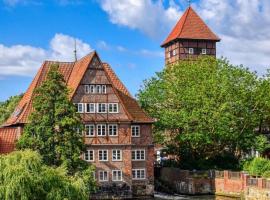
pixel 258 167
pixel 24 176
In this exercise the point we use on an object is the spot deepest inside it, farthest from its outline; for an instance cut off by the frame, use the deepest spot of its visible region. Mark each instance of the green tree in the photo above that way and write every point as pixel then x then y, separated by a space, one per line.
pixel 7 107
pixel 23 176
pixel 53 123
pixel 206 111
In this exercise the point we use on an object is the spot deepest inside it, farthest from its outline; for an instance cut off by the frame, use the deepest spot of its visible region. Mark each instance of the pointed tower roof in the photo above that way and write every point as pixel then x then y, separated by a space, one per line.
pixel 190 26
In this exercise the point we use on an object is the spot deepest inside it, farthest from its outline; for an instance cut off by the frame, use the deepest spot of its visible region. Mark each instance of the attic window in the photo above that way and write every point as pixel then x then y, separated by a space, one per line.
pixel 204 51
pixel 191 51
pixel 16 112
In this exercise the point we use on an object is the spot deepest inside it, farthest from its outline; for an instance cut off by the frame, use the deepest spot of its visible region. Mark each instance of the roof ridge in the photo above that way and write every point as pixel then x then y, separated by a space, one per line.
pixel 185 20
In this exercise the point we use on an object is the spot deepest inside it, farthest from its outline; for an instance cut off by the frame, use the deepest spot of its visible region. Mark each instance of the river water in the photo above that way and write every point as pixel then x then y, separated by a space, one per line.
pixel 160 196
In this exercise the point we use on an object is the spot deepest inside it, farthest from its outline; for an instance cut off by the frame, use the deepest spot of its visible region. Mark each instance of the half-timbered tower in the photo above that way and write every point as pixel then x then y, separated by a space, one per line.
pixel 118 133
pixel 189 38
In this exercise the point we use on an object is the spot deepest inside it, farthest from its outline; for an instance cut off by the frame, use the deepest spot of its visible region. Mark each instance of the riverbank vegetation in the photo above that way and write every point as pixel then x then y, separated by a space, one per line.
pixel 258 167
pixel 24 176
pixel 209 113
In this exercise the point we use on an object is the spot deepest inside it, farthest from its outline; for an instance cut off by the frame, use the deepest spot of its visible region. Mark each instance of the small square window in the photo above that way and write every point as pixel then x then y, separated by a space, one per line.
pixel 138 155
pixel 89 155
pixel 135 131
pixel 90 108
pixel 116 155
pixel 103 176
pixel 102 108
pixel 79 107
pixel 113 129
pixel 90 130
pixel 101 129
pixel 191 50
pixel 103 155
pixel 138 174
pixel 113 107
pixel 204 51
pixel 116 175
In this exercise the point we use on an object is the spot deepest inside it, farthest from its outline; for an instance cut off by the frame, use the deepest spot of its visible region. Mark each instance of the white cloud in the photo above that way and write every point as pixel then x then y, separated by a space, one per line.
pixel 25 60
pixel 243 25
pixel 150 17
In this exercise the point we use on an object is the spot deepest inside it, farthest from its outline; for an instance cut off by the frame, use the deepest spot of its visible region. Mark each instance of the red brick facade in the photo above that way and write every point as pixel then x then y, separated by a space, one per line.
pixel 109 140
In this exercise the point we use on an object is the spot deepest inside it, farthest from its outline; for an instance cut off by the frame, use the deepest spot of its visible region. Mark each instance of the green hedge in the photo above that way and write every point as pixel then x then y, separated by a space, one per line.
pixel 258 167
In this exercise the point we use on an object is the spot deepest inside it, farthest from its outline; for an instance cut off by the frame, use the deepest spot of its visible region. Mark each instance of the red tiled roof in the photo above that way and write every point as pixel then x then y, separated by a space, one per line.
pixel 8 137
pixel 73 73
pixel 190 26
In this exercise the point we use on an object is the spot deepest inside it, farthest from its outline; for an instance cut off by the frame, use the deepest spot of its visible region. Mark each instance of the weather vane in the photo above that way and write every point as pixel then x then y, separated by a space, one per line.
pixel 75 49
pixel 189 2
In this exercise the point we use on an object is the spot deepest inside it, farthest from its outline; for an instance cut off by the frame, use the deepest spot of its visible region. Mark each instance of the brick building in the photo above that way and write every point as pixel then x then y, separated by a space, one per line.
pixel 190 38
pixel 118 133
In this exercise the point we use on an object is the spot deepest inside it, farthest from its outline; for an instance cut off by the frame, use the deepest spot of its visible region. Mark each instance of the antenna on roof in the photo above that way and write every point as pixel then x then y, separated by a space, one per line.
pixel 75 50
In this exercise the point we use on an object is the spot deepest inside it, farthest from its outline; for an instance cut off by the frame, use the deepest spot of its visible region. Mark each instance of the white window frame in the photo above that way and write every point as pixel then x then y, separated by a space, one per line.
pixel 98 89
pixel 139 130
pixel 82 107
pixel 136 174
pixel 90 104
pixel 92 89
pixel 191 51
pixel 117 177
pixel 138 151
pixel 103 172
pixel 115 155
pixel 86 89
pixel 103 132
pixel 110 128
pixel 103 89
pixel 89 155
pixel 204 51
pixel 102 155
pixel 174 52
pixel 90 127
pixel 100 104
pixel 111 105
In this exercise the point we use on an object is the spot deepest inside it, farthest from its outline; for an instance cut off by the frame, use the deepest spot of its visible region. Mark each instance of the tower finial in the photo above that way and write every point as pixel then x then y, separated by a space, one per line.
pixel 189 2
pixel 75 50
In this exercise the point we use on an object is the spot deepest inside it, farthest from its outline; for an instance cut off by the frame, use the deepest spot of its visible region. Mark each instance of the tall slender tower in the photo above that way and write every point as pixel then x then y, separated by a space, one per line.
pixel 189 38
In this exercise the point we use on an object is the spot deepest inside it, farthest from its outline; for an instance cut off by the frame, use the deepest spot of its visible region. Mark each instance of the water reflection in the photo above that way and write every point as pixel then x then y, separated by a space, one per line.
pixel 181 197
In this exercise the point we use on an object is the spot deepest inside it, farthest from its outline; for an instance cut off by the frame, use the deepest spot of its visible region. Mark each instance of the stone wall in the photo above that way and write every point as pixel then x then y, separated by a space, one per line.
pixel 225 183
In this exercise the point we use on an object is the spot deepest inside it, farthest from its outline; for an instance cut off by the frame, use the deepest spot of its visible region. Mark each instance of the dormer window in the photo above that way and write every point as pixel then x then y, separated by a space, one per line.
pixel 191 50
pixel 204 51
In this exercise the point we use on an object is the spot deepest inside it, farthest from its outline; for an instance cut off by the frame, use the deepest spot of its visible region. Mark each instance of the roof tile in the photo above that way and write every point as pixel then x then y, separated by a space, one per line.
pixel 190 26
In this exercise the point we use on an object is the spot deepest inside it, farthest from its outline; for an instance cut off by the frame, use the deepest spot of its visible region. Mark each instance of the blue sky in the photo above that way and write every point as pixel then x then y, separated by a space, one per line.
pixel 126 33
